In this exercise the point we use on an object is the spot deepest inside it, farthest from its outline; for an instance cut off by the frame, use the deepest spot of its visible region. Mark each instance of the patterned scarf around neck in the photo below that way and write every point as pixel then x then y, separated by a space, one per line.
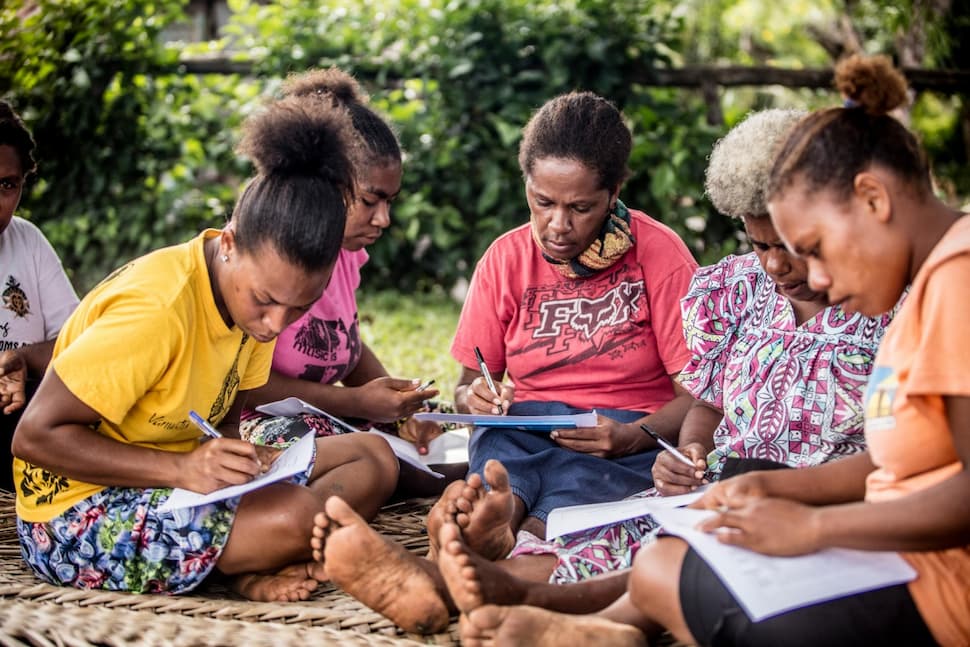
pixel 613 241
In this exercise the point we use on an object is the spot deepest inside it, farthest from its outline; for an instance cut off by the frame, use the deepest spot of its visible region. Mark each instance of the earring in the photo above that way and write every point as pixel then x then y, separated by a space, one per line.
pixel 225 258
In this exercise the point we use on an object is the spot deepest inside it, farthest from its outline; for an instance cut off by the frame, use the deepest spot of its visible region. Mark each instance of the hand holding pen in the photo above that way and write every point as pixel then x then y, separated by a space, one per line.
pixel 499 397
pixel 678 470
pixel 219 463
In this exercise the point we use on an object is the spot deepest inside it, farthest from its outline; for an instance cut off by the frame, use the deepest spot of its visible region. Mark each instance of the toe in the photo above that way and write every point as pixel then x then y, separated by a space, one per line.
pixel 496 475
pixel 339 511
pixel 449 534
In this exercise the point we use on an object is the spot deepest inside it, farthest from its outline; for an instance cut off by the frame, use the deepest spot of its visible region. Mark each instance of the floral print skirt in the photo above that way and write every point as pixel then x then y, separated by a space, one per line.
pixel 587 553
pixel 118 540
pixel 283 431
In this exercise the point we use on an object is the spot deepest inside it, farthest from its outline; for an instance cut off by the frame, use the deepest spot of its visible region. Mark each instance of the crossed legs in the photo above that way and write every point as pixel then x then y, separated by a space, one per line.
pixel 267 555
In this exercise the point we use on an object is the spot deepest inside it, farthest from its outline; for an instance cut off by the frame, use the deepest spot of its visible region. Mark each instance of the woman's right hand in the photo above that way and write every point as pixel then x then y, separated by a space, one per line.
pixel 482 400
pixel 671 476
pixel 386 399
pixel 219 463
pixel 727 492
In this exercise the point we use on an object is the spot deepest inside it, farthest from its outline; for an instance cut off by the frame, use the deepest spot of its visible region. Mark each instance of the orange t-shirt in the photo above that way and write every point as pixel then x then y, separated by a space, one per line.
pixel 923 358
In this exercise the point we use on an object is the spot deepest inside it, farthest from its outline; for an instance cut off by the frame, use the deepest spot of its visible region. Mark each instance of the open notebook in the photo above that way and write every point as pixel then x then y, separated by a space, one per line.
pixel 450 447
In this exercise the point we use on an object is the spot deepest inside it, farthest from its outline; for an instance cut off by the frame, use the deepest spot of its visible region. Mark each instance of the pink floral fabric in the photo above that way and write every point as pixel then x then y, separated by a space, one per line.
pixel 790 394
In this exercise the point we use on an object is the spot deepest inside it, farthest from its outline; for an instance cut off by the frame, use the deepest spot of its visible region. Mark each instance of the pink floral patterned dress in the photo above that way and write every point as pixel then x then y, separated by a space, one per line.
pixel 790 393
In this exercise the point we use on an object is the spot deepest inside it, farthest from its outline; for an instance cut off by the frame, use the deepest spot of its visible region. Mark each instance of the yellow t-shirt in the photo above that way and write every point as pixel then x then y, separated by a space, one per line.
pixel 144 347
pixel 922 358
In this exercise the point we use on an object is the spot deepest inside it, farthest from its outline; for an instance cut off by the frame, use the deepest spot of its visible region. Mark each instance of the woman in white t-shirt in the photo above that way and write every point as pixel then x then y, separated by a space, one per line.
pixel 36 296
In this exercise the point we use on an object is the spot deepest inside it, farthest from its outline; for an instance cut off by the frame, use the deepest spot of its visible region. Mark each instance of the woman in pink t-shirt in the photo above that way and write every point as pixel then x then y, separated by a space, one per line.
pixel 321 358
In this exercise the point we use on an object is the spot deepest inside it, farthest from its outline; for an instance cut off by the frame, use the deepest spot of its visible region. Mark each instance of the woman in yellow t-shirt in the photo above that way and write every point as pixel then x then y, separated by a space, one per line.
pixel 191 328
pixel 851 192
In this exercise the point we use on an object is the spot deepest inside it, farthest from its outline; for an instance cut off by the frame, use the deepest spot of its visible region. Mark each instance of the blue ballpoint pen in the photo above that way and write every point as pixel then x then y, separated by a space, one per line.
pixel 204 425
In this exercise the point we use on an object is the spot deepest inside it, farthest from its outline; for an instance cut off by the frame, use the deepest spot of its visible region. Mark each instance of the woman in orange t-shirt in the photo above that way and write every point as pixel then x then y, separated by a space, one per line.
pixel 850 191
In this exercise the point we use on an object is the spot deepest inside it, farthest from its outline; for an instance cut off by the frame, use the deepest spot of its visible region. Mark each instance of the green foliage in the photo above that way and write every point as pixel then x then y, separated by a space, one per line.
pixel 131 157
pixel 464 78
pixel 135 154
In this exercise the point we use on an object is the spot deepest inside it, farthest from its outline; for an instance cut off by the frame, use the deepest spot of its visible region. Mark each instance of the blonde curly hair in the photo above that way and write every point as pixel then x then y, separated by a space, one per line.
pixel 737 173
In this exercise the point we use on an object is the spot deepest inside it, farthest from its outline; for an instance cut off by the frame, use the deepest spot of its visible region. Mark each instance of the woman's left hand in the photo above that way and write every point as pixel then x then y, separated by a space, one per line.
pixel 607 439
pixel 767 525
pixel 266 456
pixel 420 432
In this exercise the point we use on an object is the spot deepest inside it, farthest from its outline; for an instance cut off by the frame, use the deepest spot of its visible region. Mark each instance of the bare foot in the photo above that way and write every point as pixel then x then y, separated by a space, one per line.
pixel 531 626
pixel 286 586
pixel 312 569
pixel 472 580
pixel 485 517
pixel 379 573
pixel 442 512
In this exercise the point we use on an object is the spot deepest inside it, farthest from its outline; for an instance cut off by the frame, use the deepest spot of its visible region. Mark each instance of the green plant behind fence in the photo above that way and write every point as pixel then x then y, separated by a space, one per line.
pixel 149 156
pixel 135 155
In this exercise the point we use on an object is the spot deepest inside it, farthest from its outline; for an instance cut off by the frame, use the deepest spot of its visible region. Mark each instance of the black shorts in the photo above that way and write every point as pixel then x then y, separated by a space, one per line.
pixel 882 617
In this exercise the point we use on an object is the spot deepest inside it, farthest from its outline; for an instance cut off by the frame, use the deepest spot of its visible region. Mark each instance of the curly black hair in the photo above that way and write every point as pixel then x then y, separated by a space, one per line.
pixel 579 126
pixel 375 134
pixel 14 133
pixel 302 150
pixel 829 148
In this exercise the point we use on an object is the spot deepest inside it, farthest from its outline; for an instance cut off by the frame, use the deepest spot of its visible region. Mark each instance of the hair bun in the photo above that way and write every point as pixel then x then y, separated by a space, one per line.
pixel 295 137
pixel 871 83
pixel 334 82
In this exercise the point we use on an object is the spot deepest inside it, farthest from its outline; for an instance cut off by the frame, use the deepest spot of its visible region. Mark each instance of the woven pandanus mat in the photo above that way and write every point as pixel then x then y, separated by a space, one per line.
pixel 35 613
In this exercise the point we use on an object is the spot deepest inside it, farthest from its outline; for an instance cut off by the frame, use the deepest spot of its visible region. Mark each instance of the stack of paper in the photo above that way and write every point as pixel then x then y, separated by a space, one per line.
pixel 574 518
pixel 766 586
pixel 525 423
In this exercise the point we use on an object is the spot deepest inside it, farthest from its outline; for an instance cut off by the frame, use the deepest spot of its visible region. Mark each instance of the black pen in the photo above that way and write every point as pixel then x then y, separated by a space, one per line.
pixel 670 448
pixel 487 375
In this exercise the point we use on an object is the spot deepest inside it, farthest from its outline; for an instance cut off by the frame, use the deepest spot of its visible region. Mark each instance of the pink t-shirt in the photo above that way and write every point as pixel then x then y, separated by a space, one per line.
pixel 608 341
pixel 324 344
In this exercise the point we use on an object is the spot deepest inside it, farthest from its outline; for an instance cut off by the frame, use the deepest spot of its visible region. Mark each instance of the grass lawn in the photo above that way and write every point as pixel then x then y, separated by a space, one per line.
pixel 411 335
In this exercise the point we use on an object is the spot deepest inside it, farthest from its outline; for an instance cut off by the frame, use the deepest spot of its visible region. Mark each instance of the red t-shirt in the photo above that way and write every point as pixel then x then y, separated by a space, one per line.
pixel 609 341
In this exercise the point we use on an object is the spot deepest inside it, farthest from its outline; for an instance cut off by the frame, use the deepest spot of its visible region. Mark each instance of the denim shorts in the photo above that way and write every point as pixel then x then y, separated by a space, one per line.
pixel 546 476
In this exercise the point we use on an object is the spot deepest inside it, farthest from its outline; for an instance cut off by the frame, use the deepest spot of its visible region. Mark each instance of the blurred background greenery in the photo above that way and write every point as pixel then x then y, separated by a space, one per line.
pixel 136 138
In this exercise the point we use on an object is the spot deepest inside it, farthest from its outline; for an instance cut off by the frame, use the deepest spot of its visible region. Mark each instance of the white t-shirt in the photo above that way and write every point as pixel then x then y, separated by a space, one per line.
pixel 36 296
